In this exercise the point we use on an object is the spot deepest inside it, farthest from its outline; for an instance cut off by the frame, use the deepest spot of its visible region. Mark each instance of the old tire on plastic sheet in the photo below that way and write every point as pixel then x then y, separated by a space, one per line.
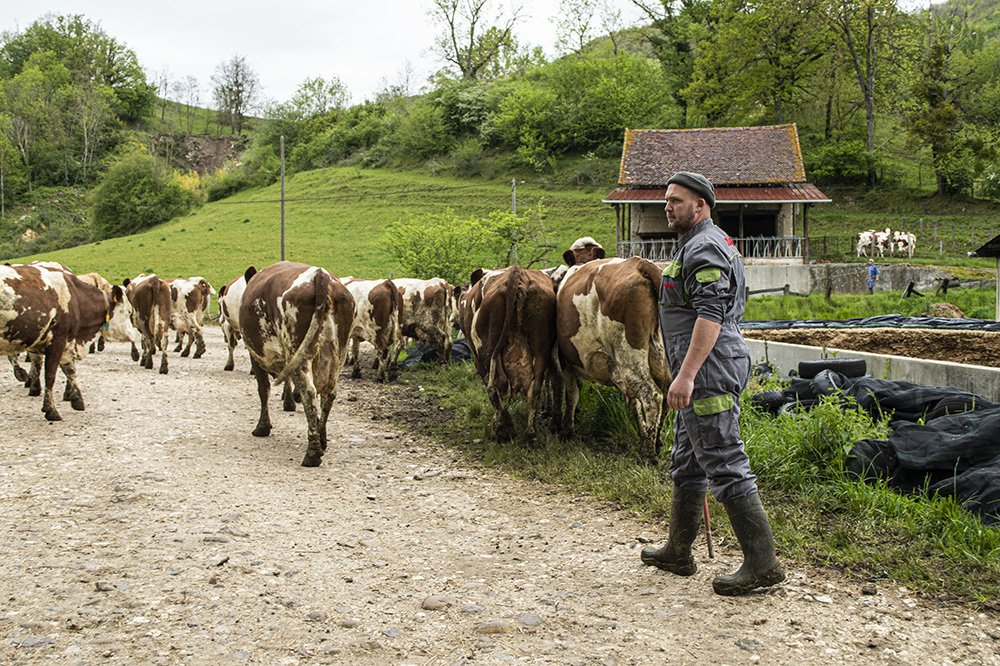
pixel 849 367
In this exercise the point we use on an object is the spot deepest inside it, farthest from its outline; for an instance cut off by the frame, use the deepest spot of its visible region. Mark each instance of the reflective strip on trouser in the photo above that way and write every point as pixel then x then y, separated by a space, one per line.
pixel 708 453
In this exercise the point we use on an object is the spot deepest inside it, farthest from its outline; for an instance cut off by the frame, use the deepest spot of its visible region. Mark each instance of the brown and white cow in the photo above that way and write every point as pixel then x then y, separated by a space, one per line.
pixel 151 305
pixel 296 322
pixel 428 312
pixel 883 242
pixel 866 242
pixel 189 301
pixel 48 312
pixel 609 332
pixel 509 321
pixel 376 321
pixel 118 331
pixel 230 298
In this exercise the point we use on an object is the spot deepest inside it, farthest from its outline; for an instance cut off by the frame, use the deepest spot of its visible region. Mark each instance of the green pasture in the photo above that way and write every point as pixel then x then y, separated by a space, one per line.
pixel 333 218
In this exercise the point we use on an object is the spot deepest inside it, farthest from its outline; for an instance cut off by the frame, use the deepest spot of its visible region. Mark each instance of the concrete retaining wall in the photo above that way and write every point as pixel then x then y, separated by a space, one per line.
pixel 977 379
pixel 841 278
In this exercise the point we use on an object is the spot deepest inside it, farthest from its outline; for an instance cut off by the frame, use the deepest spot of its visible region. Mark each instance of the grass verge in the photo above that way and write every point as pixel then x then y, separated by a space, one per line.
pixel 819 516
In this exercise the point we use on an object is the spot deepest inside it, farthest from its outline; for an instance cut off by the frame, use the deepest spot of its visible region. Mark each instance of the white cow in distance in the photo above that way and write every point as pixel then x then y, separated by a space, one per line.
pixel 904 242
pixel 866 242
pixel 883 242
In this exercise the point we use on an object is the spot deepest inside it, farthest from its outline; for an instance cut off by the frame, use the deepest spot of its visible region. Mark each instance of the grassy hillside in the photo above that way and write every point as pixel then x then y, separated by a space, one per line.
pixel 333 218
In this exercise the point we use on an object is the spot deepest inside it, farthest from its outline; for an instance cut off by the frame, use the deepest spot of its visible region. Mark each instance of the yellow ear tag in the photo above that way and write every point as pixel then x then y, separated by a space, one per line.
pixel 107 318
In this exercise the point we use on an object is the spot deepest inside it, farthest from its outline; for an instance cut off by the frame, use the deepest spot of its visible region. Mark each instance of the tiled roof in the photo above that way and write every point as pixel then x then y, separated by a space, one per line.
pixel 791 193
pixel 724 155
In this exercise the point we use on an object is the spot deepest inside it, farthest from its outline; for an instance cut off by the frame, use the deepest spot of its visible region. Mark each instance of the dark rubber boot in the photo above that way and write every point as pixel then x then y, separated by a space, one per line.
pixel 760 567
pixel 685 521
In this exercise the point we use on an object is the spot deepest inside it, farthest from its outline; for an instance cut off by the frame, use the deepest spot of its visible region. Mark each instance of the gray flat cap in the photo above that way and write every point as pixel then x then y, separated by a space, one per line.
pixel 697 183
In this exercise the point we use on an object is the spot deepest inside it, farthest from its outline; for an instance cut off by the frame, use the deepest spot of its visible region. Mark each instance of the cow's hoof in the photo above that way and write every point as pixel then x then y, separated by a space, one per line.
pixel 356 373
pixel 261 431
pixel 288 405
pixel 163 370
pixel 135 354
pixel 34 392
pixel 178 348
pixel 100 344
pixel 229 367
pixel 52 415
pixel 77 404
pixel 199 354
pixel 312 459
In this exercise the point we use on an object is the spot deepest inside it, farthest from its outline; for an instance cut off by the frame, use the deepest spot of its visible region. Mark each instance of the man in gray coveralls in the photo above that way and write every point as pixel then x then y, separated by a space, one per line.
pixel 702 297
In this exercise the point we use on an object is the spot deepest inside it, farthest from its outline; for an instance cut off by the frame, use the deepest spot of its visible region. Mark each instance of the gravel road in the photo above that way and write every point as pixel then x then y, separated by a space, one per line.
pixel 152 528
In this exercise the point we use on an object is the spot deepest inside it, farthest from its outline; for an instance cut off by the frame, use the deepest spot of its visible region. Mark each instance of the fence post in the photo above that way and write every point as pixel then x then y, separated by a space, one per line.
pixel 935 229
pixel 921 226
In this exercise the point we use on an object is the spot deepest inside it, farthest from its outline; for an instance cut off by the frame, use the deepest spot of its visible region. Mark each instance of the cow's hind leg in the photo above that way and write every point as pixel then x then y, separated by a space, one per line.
pixel 52 356
pixel 199 344
pixel 572 386
pixel 72 393
pixel 33 382
pixel 263 428
pixel 287 397
pixel 310 405
pixel 135 352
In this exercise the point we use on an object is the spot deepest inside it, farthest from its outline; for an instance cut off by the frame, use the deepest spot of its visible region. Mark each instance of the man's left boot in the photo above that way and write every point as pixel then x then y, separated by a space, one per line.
pixel 760 566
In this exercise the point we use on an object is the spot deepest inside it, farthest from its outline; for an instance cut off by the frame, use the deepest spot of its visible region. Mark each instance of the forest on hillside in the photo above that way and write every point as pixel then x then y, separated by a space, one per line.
pixel 882 97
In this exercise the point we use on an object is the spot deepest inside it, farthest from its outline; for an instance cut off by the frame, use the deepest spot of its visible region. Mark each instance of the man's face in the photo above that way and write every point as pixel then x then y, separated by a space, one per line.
pixel 684 208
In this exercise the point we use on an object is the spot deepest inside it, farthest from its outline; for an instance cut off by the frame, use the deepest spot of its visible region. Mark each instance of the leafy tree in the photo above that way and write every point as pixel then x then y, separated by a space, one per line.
pixel 676 27
pixel 134 195
pixel 420 131
pixel 89 53
pixel 36 100
pixel 580 22
pixel 878 38
pixel 760 57
pixel 437 245
pixel 473 37
pixel 318 97
pixel 237 88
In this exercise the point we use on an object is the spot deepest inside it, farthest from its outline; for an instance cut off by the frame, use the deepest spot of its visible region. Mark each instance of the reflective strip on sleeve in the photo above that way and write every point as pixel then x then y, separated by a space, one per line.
pixel 708 275
pixel 672 269
pixel 714 405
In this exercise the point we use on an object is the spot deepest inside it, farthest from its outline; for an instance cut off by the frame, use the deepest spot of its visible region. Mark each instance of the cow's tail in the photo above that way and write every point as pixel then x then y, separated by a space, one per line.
pixel 515 295
pixel 394 308
pixel 323 299
pixel 657 354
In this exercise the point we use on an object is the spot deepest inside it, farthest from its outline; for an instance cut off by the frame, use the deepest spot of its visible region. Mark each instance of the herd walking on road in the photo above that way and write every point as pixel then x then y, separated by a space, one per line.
pixel 667 337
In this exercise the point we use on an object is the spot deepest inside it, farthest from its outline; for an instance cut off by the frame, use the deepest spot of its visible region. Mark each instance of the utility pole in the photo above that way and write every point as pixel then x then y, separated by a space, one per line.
pixel 513 209
pixel 282 144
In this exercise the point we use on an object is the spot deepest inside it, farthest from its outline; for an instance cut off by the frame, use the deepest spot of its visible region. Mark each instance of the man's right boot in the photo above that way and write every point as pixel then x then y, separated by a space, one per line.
pixel 685 521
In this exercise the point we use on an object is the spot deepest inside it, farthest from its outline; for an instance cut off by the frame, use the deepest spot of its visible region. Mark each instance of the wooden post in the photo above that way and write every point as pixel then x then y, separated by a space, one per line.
pixel 282 141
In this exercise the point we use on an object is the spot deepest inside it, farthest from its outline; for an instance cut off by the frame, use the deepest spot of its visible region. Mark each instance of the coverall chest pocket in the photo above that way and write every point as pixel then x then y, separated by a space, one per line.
pixel 672 285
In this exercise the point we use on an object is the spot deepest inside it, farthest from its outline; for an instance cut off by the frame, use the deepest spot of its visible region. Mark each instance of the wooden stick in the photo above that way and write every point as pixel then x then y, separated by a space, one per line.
pixel 708 529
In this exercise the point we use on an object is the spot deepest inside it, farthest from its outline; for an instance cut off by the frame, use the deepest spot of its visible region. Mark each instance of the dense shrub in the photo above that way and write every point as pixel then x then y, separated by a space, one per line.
pixel 135 195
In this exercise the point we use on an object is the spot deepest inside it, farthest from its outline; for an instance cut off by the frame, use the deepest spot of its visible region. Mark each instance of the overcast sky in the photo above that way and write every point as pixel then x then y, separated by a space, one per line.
pixel 362 43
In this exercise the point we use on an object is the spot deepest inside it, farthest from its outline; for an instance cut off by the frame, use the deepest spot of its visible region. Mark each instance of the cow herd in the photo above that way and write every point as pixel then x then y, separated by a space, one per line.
pixel 873 242
pixel 531 333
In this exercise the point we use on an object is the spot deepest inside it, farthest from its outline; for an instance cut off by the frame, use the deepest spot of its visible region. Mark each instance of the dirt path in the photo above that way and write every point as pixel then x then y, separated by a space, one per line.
pixel 154 529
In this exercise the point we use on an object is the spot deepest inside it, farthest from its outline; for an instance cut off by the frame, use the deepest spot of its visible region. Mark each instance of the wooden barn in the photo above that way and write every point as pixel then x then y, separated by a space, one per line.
pixel 762 199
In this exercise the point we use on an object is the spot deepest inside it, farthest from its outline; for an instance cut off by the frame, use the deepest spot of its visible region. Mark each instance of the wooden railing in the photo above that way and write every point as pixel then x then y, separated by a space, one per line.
pixel 758 247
